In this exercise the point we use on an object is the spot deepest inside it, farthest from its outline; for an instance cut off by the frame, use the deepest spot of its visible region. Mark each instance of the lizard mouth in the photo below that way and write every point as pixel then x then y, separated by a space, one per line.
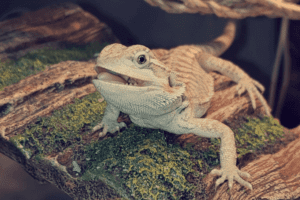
pixel 116 78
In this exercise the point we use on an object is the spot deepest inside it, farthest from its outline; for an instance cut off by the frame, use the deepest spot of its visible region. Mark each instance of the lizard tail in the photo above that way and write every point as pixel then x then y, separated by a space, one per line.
pixel 219 45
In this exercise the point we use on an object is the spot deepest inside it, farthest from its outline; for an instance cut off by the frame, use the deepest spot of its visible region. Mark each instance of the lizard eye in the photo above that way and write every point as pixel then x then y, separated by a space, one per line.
pixel 142 58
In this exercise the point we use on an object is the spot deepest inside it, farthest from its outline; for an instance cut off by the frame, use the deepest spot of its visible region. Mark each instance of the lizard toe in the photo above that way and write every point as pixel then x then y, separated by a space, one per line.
pixel 104 131
pixel 97 127
pixel 244 174
pixel 220 180
pixel 231 174
pixel 216 172
pixel 240 89
pixel 243 182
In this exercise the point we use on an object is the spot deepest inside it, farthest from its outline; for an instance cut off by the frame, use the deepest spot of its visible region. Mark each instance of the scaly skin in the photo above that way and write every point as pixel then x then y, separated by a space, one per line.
pixel 173 92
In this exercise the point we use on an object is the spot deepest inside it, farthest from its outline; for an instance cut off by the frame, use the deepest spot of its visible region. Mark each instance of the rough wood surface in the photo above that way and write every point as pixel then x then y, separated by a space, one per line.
pixel 271 174
pixel 51 27
pixel 236 9
pixel 40 94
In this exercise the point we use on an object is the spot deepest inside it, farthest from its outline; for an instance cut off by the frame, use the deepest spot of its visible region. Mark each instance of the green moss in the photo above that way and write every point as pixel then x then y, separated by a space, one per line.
pixel 137 162
pixel 257 133
pixel 19 142
pixel 254 134
pixel 13 71
pixel 150 168
pixel 62 129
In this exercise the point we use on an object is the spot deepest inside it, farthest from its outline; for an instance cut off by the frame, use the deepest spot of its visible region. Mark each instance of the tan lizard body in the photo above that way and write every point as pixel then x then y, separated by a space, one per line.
pixel 173 92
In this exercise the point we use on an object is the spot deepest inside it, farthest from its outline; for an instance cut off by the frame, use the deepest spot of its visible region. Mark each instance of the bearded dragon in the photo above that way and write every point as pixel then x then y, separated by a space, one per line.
pixel 173 92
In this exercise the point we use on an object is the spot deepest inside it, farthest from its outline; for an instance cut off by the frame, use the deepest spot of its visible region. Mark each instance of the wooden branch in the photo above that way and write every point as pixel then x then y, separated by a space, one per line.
pixel 30 98
pixel 51 27
pixel 41 94
pixel 236 9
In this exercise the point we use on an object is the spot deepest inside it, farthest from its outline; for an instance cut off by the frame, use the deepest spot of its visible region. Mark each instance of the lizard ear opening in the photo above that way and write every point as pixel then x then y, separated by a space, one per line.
pixel 141 59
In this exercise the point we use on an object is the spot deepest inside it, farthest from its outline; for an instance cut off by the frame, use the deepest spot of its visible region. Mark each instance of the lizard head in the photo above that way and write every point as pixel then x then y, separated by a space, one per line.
pixel 133 74
pixel 136 64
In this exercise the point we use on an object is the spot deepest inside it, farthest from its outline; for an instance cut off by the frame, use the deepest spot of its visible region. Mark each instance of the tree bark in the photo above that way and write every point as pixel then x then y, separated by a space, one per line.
pixel 235 9
pixel 53 26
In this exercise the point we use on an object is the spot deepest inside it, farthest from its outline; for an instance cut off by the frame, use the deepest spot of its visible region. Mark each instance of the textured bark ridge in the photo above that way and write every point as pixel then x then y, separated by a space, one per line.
pixel 275 173
pixel 51 27
pixel 40 94
pixel 237 9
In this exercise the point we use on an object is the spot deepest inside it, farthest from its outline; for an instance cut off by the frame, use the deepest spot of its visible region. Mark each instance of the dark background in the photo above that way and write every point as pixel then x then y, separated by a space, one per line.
pixel 136 22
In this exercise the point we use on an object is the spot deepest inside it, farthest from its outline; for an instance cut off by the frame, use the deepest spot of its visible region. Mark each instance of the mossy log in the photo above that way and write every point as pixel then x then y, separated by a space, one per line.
pixel 41 94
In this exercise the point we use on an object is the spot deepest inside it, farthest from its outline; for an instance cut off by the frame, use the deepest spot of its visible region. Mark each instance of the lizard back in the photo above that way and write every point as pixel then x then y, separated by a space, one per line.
pixel 199 84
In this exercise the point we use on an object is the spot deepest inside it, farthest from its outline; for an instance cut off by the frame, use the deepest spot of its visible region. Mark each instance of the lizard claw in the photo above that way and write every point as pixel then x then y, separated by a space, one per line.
pixel 108 126
pixel 104 131
pixel 251 86
pixel 230 175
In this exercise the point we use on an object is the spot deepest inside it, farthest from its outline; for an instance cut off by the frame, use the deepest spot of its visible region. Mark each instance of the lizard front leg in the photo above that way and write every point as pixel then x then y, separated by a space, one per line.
pixel 109 121
pixel 213 129
pixel 211 63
